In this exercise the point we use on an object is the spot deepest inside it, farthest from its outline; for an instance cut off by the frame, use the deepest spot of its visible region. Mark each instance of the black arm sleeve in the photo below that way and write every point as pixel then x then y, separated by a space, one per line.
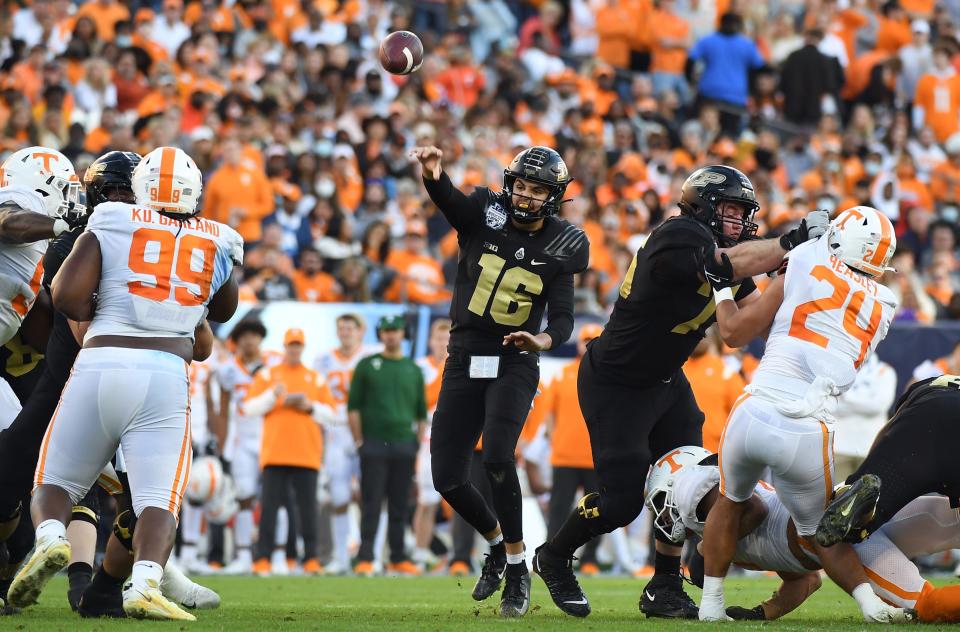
pixel 560 309
pixel 459 209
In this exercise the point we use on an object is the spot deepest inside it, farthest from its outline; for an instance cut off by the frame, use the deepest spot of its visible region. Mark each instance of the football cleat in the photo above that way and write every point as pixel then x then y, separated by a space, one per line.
pixel 95 604
pixel 147 602
pixel 189 594
pixel 461 568
pixel 48 558
pixel 364 569
pixel 515 600
pixel 238 566
pixel 491 577
pixel 561 583
pixel 852 508
pixel 664 597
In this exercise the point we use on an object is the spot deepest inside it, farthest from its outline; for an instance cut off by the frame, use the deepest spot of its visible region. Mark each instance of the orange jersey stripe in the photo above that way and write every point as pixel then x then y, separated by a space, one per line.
pixel 723 434
pixel 184 445
pixel 889 586
pixel 886 235
pixel 165 193
pixel 38 477
pixel 827 478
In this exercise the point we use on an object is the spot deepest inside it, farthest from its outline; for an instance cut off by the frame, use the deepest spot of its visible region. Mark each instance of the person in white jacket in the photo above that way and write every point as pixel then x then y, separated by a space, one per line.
pixel 861 413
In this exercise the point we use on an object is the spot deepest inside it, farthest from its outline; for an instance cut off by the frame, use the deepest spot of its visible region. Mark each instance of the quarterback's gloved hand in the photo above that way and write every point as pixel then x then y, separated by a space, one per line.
pixel 813 226
pixel 743 614
pixel 718 273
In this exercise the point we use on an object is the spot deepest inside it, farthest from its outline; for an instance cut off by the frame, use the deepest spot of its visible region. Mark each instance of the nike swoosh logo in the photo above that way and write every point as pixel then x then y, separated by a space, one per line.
pixel 534 262
pixel 579 602
pixel 649 596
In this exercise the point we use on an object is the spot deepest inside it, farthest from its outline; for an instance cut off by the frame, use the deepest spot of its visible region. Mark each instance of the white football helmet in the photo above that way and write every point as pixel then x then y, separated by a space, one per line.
pixel 168 180
pixel 224 506
pixel 658 494
pixel 206 479
pixel 863 238
pixel 49 173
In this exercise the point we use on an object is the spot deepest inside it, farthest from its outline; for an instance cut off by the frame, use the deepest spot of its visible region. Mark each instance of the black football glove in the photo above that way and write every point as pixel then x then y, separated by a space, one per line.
pixel 718 273
pixel 742 614
pixel 813 226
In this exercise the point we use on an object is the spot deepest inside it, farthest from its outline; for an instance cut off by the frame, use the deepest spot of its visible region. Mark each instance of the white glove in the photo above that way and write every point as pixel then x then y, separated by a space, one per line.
pixel 817 223
pixel 876 610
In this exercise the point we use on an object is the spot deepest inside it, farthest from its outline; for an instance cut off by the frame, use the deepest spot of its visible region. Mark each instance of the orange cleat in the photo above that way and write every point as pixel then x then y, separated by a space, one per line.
pixel 364 569
pixel 459 569
pixel 644 572
pixel 589 569
pixel 215 565
pixel 312 567
pixel 262 567
pixel 405 567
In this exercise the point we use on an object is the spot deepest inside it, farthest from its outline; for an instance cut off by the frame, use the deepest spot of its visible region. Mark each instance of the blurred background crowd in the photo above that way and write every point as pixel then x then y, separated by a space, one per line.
pixel 303 142
pixel 303 139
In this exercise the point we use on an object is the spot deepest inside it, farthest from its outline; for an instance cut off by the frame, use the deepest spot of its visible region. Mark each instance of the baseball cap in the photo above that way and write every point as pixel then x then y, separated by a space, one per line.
pixel 589 332
pixel 394 321
pixel 294 336
pixel 342 150
pixel 201 132
pixel 920 26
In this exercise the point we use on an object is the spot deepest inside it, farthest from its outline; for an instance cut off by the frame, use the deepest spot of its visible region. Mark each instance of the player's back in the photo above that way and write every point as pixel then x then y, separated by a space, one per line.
pixel 21 269
pixel 157 273
pixel 337 369
pixel 831 318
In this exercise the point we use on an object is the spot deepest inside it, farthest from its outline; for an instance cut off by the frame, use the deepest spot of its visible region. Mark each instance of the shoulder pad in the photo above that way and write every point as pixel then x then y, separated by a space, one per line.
pixel 567 244
pixel 105 213
pixel 234 245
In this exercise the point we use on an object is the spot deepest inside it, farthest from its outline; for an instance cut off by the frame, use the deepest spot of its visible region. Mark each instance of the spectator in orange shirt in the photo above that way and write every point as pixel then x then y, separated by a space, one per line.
pixel 132 87
pixel 545 24
pixel 419 276
pixel 669 36
pixel 945 178
pixel 893 28
pixel 462 81
pixel 937 102
pixel 312 283
pixel 615 30
pixel 238 195
pixel 105 14
pixel 716 387
pixel 570 456
pixel 294 401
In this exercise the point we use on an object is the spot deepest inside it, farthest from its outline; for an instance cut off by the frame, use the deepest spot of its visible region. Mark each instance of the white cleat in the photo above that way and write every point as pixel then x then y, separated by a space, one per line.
pixel 48 558
pixel 149 603
pixel 238 567
pixel 179 588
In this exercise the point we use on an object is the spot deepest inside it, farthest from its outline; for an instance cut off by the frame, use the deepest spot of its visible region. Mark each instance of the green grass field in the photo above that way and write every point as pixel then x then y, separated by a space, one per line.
pixel 427 605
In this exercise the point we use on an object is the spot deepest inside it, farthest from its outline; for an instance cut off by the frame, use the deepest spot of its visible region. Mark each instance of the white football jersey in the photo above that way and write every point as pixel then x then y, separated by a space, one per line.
pixel 200 373
pixel 236 378
pixel 21 267
pixel 338 370
pixel 831 319
pixel 158 274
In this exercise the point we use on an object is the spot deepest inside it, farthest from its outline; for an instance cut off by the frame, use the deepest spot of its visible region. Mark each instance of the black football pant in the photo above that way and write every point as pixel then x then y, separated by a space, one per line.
pixel 464 534
pixel 497 409
pixel 915 453
pixel 629 428
pixel 563 494
pixel 276 483
pixel 386 471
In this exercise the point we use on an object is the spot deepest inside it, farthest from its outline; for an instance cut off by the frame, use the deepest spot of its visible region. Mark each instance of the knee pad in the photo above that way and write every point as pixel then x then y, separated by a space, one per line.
pixel 84 514
pixel 588 508
pixel 123 528
pixel 500 473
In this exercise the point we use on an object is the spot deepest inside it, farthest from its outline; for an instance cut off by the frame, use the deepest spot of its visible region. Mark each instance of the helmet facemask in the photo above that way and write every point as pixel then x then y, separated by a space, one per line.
pixel 666 516
pixel 747 227
pixel 548 206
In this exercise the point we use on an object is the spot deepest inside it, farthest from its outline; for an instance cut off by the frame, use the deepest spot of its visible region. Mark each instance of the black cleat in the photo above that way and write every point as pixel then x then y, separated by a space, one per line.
pixel 491 577
pixel 664 597
pixel 5 608
pixel 852 508
pixel 75 592
pixel 95 603
pixel 561 583
pixel 515 600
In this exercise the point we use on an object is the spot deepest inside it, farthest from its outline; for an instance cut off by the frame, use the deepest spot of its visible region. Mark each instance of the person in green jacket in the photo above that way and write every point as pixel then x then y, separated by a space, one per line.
pixel 387 410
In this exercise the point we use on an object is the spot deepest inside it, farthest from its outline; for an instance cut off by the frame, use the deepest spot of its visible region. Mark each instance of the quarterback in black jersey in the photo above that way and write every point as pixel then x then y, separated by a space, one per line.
pixel 634 396
pixel 913 455
pixel 516 258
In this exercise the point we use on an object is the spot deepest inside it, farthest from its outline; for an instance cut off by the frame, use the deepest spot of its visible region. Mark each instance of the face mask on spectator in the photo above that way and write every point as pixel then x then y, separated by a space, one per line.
pixel 872 168
pixel 950 214
pixel 124 41
pixel 827 203
pixel 324 187
pixel 833 166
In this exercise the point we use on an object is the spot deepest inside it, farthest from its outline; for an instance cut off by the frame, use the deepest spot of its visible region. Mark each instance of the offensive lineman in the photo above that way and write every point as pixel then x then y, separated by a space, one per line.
pixel 633 394
pixel 157 270
pixel 828 313
pixel 516 258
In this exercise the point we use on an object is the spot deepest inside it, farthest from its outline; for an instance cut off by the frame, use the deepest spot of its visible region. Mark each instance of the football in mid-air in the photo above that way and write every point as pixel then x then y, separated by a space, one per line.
pixel 401 53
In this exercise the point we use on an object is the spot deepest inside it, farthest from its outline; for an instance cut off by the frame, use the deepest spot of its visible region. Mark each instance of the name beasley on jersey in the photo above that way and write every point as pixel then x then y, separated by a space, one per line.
pixel 862 280
pixel 148 216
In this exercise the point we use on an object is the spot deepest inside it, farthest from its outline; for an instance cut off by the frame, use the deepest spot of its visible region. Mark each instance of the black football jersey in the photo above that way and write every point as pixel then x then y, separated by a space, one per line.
pixel 505 275
pixel 664 307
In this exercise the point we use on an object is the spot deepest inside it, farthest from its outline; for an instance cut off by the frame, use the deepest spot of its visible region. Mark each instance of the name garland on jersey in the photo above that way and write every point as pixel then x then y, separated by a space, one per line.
pixel 145 215
pixel 495 216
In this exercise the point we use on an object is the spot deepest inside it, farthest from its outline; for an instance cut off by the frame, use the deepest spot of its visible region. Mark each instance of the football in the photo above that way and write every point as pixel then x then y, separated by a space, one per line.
pixel 401 53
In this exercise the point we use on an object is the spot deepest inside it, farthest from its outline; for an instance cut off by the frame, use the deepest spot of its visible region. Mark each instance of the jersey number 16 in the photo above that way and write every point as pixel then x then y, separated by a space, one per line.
pixel 510 306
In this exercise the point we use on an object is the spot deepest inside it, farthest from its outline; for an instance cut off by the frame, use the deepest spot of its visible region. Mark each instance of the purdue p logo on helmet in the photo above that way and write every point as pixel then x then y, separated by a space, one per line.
pixel 168 180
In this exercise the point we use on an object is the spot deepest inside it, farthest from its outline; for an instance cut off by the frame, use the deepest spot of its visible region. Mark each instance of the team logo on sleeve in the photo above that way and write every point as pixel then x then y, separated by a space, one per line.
pixel 495 216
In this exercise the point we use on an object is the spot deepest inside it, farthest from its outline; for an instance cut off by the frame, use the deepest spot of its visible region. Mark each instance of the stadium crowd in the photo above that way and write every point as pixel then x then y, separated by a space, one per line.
pixel 303 139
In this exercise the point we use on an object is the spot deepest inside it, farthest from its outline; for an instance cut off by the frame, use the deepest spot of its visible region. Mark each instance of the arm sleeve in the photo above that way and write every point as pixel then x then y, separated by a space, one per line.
pixel 747 287
pixel 356 387
pixel 460 210
pixel 260 398
pixel 560 309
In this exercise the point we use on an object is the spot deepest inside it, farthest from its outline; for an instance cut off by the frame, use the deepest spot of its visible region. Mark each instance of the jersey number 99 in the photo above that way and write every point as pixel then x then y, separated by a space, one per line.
pixel 511 306
pixel 174 256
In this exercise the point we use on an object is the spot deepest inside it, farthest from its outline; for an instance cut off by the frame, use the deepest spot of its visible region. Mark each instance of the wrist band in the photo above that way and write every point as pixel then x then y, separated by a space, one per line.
pixel 59 226
pixel 723 294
